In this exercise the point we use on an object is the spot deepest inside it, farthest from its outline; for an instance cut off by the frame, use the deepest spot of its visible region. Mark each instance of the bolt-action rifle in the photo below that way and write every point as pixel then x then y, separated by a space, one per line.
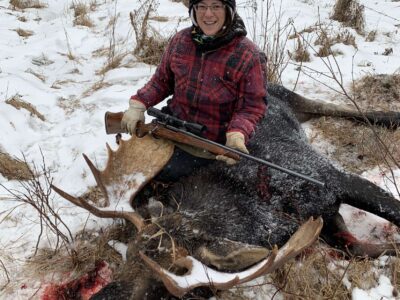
pixel 171 128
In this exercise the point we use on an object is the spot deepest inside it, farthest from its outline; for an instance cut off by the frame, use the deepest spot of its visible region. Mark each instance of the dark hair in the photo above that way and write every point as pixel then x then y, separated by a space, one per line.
pixel 228 21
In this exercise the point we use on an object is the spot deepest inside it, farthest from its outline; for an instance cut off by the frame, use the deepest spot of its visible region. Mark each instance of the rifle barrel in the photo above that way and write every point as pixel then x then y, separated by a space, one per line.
pixel 250 157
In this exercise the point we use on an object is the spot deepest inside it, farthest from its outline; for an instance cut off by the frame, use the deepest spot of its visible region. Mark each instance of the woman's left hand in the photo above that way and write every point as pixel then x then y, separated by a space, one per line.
pixel 234 140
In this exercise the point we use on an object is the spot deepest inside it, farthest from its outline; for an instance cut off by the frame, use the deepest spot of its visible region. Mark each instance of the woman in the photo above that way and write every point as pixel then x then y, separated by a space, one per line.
pixel 217 78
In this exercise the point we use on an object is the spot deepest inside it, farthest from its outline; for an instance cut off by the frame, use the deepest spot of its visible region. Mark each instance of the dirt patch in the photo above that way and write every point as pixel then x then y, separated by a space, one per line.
pixel 355 146
pixel 14 169
pixel 378 92
pixel 18 103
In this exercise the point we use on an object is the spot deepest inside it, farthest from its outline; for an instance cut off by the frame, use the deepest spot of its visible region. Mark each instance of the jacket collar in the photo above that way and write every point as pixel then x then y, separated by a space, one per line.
pixel 205 43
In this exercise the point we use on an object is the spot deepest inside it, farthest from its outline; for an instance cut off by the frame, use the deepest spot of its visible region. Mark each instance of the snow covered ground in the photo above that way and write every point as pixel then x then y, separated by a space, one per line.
pixel 56 69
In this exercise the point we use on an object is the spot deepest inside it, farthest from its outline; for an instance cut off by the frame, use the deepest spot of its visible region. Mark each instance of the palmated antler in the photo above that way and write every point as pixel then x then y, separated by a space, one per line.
pixel 128 169
pixel 200 275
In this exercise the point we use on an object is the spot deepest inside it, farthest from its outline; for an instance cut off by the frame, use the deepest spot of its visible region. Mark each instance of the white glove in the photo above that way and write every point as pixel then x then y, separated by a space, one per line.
pixel 234 140
pixel 134 114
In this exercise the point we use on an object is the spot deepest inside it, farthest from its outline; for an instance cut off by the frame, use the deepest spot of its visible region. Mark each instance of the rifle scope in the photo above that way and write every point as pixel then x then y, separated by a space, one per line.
pixel 194 128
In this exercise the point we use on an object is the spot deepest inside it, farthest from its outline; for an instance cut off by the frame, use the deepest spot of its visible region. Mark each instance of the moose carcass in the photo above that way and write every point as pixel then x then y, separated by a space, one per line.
pixel 232 218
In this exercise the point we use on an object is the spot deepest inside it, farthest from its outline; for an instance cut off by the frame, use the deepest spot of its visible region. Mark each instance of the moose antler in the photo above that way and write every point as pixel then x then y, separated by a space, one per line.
pixel 200 275
pixel 130 216
pixel 128 169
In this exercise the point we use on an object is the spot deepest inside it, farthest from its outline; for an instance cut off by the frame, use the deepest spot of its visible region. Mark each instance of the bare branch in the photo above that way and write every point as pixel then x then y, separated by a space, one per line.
pixel 36 192
pixel 7 275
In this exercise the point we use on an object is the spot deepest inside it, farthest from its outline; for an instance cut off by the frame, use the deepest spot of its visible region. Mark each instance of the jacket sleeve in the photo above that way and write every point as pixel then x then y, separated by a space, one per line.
pixel 161 84
pixel 252 104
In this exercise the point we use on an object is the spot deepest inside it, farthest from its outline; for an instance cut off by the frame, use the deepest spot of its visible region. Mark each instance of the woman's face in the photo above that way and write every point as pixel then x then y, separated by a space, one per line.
pixel 210 16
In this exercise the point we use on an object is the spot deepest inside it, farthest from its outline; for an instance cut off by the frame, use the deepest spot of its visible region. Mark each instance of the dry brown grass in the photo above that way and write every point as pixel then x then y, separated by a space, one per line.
pixel 326 41
pixel 350 13
pixel 326 50
pixel 36 74
pixel 83 20
pixel 24 33
pixel 14 169
pixel 355 145
pixel 159 18
pixel 22 19
pixel 150 45
pixel 320 273
pixel 101 52
pixel 69 54
pixel 153 50
pixel 79 8
pixel 320 276
pixel 298 34
pixel 371 36
pixel 95 87
pixel 346 37
pixel 23 4
pixel 58 84
pixel 114 55
pixel 89 248
pixel 112 63
pixel 18 103
pixel 81 14
pixel 301 53
pixel 42 60
pixel 74 71
pixel 380 91
pixel 69 105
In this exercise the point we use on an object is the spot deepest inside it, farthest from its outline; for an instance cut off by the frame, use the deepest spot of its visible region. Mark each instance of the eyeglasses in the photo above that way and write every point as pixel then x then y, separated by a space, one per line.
pixel 202 8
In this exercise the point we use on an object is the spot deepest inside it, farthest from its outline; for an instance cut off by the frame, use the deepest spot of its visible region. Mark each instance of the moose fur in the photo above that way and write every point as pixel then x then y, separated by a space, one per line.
pixel 222 209
pixel 262 206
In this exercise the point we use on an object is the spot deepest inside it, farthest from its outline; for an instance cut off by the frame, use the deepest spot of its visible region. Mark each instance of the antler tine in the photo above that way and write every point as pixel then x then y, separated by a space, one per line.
pixel 109 151
pixel 201 275
pixel 97 176
pixel 132 216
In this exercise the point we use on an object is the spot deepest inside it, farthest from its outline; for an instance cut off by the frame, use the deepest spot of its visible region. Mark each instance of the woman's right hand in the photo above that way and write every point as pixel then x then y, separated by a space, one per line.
pixel 134 114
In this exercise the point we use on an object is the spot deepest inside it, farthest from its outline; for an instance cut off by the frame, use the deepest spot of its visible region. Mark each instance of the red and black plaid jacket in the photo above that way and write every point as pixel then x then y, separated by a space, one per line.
pixel 224 89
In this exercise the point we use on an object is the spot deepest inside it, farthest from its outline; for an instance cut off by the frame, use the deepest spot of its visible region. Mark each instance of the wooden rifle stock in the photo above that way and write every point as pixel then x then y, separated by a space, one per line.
pixel 113 126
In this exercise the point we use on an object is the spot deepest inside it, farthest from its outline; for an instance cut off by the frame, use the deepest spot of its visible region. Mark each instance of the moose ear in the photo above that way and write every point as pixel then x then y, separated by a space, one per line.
pixel 231 256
